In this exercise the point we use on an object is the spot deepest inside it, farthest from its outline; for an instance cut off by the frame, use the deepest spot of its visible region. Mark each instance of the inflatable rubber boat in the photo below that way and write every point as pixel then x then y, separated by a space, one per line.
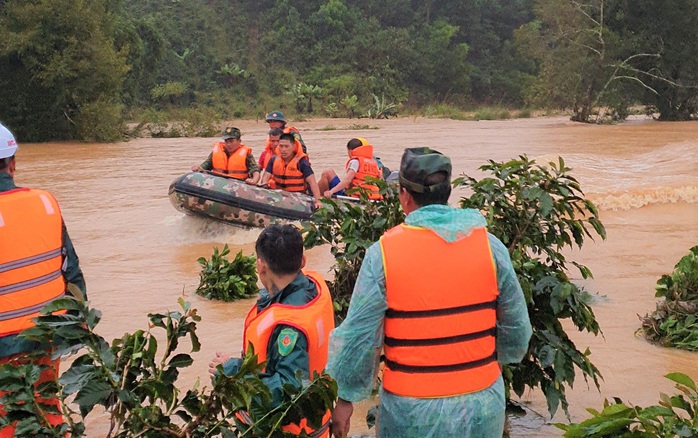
pixel 233 201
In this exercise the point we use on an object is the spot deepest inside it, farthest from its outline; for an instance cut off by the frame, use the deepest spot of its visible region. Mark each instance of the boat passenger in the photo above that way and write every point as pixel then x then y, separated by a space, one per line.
pixel 276 119
pixel 232 159
pixel 291 170
pixel 361 164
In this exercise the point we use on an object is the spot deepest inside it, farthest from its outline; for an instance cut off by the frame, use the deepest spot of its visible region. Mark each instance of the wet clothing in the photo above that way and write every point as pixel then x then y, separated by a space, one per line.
pixel 282 361
pixel 251 163
pixel 71 272
pixel 301 172
pixel 356 345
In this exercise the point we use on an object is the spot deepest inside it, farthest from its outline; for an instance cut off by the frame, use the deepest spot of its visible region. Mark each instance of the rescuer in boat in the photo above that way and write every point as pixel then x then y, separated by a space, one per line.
pixel 231 159
pixel 361 164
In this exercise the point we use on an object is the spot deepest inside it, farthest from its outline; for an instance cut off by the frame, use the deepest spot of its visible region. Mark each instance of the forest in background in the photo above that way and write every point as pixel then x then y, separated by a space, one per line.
pixel 81 69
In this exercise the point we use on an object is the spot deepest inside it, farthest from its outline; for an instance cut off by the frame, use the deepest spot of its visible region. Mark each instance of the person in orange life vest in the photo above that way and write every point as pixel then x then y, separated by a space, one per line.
pixel 276 120
pixel 38 264
pixel 297 297
pixel 439 296
pixel 361 164
pixel 231 158
pixel 291 170
pixel 270 149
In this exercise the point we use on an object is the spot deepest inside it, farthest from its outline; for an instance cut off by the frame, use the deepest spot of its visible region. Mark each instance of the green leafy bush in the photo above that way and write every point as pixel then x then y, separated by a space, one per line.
pixel 224 280
pixel 134 379
pixel 537 211
pixel 675 321
pixel 350 228
pixel 674 416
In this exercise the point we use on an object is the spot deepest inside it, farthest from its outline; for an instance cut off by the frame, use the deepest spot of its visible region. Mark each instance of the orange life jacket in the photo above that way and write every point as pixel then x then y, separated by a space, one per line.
pixel 234 166
pixel 288 176
pixel 31 245
pixel 441 317
pixel 314 319
pixel 367 167
pixel 267 154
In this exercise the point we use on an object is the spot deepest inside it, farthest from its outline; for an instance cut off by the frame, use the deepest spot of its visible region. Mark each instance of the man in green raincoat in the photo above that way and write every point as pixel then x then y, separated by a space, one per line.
pixel 439 296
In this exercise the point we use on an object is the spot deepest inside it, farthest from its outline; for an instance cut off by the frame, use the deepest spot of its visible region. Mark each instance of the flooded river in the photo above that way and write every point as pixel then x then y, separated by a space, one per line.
pixel 139 254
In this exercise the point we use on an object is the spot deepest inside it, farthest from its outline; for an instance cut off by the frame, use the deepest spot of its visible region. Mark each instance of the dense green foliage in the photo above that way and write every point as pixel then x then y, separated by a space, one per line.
pixel 135 379
pixel 83 67
pixel 538 211
pixel 675 321
pixel 674 416
pixel 221 279
pixel 350 228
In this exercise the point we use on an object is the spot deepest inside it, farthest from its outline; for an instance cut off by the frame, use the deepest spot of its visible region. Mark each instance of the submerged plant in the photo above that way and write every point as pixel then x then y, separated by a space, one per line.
pixel 674 416
pixel 135 378
pixel 537 211
pixel 350 228
pixel 225 280
pixel 675 321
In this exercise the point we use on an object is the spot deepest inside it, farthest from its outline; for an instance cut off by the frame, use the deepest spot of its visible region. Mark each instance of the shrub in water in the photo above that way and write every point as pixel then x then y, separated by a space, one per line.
pixel 224 280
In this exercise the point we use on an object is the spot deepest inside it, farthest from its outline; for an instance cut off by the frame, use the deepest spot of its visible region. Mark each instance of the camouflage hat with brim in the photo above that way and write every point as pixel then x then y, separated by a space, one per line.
pixel 417 164
pixel 275 116
pixel 231 133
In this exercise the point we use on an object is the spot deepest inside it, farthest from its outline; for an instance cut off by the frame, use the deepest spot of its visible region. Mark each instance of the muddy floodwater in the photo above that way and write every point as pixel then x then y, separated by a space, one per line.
pixel 139 254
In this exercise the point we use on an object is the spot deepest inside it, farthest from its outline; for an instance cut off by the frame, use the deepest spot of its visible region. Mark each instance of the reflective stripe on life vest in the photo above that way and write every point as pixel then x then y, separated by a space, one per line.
pixel 441 317
pixel 288 176
pixel 367 167
pixel 314 319
pixel 234 166
pixel 31 232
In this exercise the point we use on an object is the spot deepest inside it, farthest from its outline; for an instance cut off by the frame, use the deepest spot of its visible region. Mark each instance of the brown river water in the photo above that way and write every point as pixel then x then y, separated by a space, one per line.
pixel 139 254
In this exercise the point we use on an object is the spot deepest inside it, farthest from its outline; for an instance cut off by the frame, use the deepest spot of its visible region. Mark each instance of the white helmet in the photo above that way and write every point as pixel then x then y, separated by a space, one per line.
pixel 8 145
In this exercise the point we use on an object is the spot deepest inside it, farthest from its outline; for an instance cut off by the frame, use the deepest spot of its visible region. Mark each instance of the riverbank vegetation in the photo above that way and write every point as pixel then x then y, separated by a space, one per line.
pixel 134 379
pixel 85 68
pixel 674 323
pixel 227 280
pixel 674 416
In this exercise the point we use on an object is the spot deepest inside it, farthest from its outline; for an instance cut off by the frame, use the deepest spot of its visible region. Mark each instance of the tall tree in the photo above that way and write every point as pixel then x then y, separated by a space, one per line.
pixel 61 68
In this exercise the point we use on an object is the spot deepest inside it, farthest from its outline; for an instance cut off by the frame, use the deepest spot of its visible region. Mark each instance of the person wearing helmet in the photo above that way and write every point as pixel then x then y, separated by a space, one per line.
pixel 38 264
pixel 231 159
pixel 276 120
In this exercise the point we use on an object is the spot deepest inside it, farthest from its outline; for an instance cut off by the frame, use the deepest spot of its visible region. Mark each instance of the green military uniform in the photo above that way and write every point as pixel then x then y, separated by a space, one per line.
pixel 10 345
pixel 287 350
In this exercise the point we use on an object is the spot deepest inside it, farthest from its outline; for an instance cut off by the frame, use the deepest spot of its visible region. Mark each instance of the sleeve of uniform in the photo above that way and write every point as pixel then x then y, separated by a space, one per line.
pixel 304 167
pixel 252 166
pixel 283 362
pixel 270 165
pixel 513 324
pixel 208 162
pixel 71 268
pixel 355 345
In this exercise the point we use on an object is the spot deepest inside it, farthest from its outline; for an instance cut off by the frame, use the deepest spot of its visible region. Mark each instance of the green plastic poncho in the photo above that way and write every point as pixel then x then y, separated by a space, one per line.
pixel 356 345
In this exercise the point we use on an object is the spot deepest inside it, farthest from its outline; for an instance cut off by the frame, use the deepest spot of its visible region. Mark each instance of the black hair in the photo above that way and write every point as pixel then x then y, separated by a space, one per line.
pixel 5 162
pixel 439 196
pixel 288 137
pixel 281 247
pixel 354 143
pixel 276 132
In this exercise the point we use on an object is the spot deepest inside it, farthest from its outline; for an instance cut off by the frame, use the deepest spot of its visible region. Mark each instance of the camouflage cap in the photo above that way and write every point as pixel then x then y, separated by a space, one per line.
pixel 231 132
pixel 417 164
pixel 275 116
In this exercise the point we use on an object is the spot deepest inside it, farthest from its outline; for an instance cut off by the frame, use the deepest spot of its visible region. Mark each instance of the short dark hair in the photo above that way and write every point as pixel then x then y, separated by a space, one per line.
pixel 288 137
pixel 438 196
pixel 276 132
pixel 5 162
pixel 281 247
pixel 354 143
